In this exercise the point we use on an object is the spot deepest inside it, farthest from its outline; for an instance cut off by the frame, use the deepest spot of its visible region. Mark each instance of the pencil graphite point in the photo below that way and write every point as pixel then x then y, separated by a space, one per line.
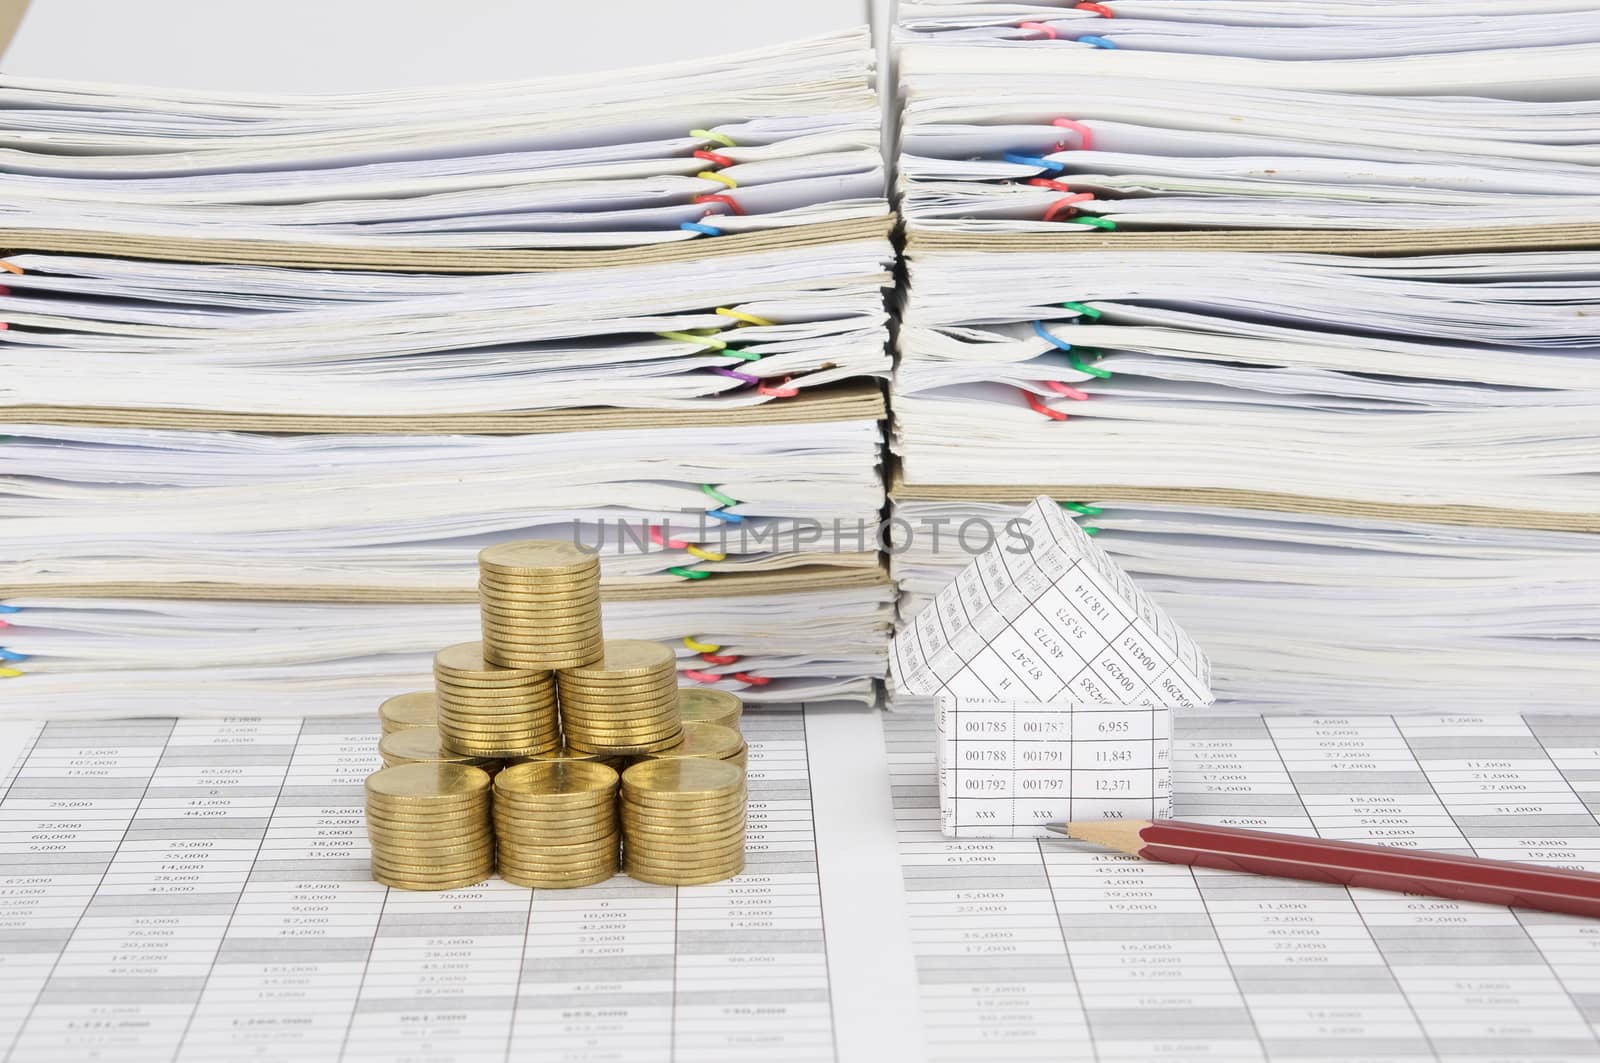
pixel 1120 834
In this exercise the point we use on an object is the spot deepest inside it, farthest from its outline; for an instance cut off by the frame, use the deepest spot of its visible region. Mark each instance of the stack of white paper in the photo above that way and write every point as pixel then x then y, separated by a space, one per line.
pixel 1032 118
pixel 277 366
pixel 1292 302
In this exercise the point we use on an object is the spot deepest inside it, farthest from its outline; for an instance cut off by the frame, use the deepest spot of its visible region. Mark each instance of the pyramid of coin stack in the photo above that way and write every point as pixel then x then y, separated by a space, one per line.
pixel 517 750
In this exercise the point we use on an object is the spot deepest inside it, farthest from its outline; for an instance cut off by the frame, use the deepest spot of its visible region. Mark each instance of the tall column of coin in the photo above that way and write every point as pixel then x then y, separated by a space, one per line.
pixel 683 821
pixel 556 823
pixel 624 703
pixel 540 604
pixel 493 712
pixel 429 826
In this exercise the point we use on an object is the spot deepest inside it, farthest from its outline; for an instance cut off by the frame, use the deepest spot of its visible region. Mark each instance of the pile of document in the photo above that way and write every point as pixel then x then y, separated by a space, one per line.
pixel 1304 333
pixel 276 368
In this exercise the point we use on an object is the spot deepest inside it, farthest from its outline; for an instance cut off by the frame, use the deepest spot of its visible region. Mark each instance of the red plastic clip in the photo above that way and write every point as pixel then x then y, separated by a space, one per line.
pixel 1045 182
pixel 1062 389
pixel 701 677
pixel 753 680
pixel 1038 407
pixel 1038 27
pixel 1066 204
pixel 1084 132
pixel 713 157
pixel 779 392
pixel 1100 9
pixel 662 541
pixel 728 200
pixel 719 658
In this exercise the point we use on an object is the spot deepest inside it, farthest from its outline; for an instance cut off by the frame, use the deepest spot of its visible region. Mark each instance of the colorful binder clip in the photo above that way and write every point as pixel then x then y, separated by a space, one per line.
pixel 1099 9
pixel 1038 27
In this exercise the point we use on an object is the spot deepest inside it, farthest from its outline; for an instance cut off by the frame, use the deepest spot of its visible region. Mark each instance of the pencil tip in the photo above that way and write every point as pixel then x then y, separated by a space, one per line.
pixel 1120 834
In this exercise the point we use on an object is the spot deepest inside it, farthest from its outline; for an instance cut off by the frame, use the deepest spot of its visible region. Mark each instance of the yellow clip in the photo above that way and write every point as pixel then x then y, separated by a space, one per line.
pixel 704 554
pixel 740 315
pixel 688 337
pixel 7 673
pixel 720 138
pixel 700 647
pixel 713 176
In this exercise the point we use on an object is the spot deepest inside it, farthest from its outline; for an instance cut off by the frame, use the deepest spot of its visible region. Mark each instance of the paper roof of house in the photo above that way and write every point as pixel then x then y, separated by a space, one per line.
pixel 1046 615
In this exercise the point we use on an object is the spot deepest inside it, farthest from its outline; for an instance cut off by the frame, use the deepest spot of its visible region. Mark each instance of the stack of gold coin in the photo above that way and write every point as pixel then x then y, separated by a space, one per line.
pixel 556 824
pixel 704 705
pixel 429 826
pixel 493 712
pixel 710 741
pixel 416 709
pixel 683 821
pixel 627 702
pixel 540 602
pixel 425 745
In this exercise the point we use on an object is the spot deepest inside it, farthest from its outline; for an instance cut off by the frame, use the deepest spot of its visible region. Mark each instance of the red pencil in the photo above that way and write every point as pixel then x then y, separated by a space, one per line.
pixel 1459 878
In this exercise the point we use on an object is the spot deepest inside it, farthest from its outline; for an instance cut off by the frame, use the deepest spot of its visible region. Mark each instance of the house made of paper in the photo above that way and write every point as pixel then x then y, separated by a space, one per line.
pixel 1056 677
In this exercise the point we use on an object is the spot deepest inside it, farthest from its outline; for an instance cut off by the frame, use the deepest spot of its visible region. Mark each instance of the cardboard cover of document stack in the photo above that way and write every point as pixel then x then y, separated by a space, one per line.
pixel 1044 623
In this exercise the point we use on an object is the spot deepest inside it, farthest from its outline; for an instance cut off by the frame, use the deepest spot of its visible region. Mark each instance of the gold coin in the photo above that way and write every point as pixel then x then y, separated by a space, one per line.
pixel 555 820
pixel 432 860
pixel 705 740
pixel 659 878
pixel 466 660
pixel 537 880
pixel 453 706
pixel 687 817
pixel 477 868
pixel 628 657
pixel 419 745
pixel 383 837
pixel 527 720
pixel 536 635
pixel 610 866
pixel 575 858
pixel 619 716
pixel 543 583
pixel 683 861
pixel 543 650
pixel 401 882
pixel 681 781
pixel 567 871
pixel 725 865
pixel 610 863
pixel 684 825
pixel 513 599
pixel 704 849
pixel 415 709
pixel 708 705
pixel 392 854
pixel 560 852
pixel 540 840
pixel 654 694
pixel 548 650
pixel 446 684
pixel 474 688
pixel 576 783
pixel 537 556
pixel 431 784
pixel 445 879
pixel 623 749
pixel 613 741
pixel 692 859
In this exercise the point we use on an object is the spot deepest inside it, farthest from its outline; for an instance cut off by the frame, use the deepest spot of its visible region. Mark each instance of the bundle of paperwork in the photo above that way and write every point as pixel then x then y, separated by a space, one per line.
pixel 274 364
